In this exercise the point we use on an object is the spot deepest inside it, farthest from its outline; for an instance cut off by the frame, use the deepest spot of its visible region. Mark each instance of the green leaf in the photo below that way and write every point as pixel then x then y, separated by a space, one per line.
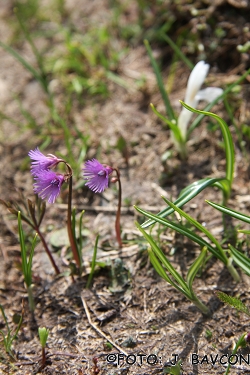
pixel 194 268
pixel 240 259
pixel 230 212
pixel 164 95
pixel 23 246
pixel 159 269
pixel 43 336
pixel 173 127
pixel 26 263
pixel 93 263
pixel 228 141
pixel 25 64
pixel 201 228
pixel 190 192
pixel 244 231
pixel 174 370
pixel 182 230
pixel 159 254
pixel 79 248
pixel 240 343
pixel 29 263
pixel 177 50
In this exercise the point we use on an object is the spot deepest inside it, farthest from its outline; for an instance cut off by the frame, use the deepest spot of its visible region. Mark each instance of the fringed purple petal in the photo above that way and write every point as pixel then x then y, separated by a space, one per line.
pixel 96 175
pixel 48 185
pixel 41 162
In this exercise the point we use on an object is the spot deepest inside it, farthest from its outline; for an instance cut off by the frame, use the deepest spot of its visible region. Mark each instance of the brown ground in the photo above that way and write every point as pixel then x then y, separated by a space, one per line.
pixel 136 310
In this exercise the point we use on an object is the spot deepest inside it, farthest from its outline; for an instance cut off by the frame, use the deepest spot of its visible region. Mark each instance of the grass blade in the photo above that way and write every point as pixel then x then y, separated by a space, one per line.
pixel 177 50
pixel 164 95
pixel 24 63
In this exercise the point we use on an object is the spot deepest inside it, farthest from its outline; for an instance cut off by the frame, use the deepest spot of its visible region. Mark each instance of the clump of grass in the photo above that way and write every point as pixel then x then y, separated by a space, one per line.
pixel 7 339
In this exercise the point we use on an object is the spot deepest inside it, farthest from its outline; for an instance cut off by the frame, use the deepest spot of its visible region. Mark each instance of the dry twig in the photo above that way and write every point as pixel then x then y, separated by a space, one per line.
pixel 98 329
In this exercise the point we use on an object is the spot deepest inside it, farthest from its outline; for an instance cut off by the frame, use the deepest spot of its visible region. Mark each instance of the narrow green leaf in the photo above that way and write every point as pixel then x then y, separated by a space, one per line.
pixel 38 55
pixel 240 259
pixel 188 193
pixel 23 246
pixel 159 269
pixel 194 268
pixel 179 279
pixel 244 231
pixel 93 263
pixel 29 264
pixel 239 343
pixel 201 228
pixel 177 50
pixel 80 235
pixel 25 64
pixel 164 95
pixel 230 212
pixel 5 319
pixel 173 127
pixel 228 141
pixel 182 230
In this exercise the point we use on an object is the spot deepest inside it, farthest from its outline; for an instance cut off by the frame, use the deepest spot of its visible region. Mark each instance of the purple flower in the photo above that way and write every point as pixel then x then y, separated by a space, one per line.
pixel 48 185
pixel 41 162
pixel 97 175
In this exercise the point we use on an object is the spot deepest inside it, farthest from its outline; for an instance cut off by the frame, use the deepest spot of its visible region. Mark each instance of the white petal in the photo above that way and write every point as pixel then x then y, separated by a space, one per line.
pixel 183 121
pixel 195 81
pixel 209 94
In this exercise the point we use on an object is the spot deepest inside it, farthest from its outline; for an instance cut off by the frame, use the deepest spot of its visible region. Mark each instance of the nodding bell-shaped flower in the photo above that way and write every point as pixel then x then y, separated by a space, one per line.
pixel 194 94
pixel 47 182
pixel 40 162
pixel 96 175
pixel 48 185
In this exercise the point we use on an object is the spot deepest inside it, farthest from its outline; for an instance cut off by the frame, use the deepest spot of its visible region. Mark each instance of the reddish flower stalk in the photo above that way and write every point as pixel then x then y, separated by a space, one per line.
pixel 47 250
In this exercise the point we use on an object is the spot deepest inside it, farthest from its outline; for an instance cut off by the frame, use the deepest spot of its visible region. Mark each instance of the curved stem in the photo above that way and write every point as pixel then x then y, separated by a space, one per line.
pixel 118 213
pixel 69 226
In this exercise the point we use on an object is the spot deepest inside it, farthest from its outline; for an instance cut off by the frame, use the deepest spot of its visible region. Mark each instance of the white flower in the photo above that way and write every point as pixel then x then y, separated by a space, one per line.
pixel 194 94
